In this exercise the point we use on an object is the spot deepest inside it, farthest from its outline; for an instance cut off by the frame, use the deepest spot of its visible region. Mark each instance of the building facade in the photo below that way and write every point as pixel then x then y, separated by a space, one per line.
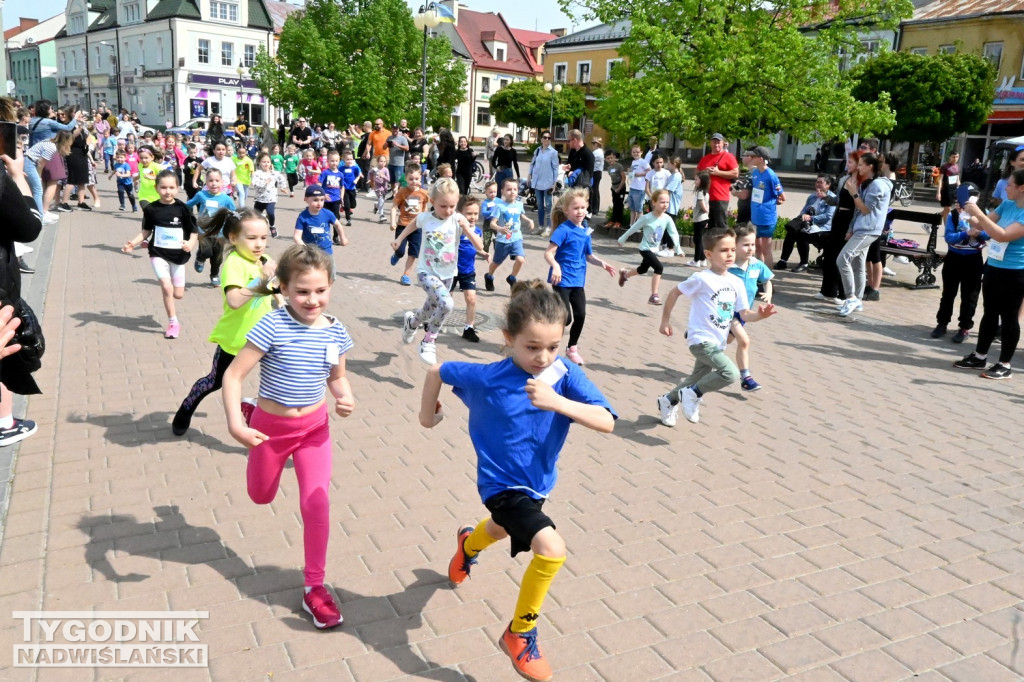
pixel 32 58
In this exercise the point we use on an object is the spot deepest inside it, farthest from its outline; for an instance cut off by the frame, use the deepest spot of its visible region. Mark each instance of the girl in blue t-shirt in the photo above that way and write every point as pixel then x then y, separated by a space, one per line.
pixel 301 350
pixel 520 409
pixel 568 253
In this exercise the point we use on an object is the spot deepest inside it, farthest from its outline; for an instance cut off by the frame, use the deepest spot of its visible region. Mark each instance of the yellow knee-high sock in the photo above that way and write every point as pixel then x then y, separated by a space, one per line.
pixel 478 540
pixel 536 581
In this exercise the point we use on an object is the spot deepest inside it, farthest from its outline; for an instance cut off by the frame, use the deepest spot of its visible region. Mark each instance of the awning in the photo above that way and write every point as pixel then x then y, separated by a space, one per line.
pixel 1006 116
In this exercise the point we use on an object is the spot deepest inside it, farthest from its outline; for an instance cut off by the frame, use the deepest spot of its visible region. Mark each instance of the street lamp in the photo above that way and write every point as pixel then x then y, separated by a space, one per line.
pixel 554 89
pixel 241 94
pixel 426 18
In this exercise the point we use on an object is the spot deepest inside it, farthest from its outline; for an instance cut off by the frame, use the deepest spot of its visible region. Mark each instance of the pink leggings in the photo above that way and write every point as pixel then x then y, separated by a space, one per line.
pixel 307 440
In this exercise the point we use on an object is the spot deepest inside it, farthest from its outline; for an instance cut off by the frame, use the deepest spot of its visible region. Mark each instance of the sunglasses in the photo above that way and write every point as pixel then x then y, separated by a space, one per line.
pixel 545 137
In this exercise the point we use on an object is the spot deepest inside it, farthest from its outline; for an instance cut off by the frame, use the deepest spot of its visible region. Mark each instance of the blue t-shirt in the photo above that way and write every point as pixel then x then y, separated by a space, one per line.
pixel 331 181
pixel 1000 191
pixel 124 168
pixel 765 189
pixel 467 253
pixel 487 209
pixel 109 145
pixel 316 229
pixel 1008 255
pixel 211 203
pixel 349 175
pixel 755 272
pixel 517 444
pixel 508 215
pixel 573 248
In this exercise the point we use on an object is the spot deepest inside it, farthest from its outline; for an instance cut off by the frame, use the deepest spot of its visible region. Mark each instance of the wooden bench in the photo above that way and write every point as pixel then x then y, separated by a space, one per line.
pixel 926 260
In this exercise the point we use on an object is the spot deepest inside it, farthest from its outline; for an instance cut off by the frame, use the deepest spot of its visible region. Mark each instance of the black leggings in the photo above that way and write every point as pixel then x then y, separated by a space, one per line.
pixel 1002 290
pixel 831 282
pixel 650 262
pixel 209 383
pixel 961 272
pixel 798 238
pixel 575 300
pixel 698 239
pixel 617 207
pixel 268 209
pixel 595 193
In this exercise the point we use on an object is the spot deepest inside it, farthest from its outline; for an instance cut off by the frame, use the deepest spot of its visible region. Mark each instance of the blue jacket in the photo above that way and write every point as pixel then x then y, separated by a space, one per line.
pixel 957 238
pixel 544 168
pixel 823 210
pixel 40 129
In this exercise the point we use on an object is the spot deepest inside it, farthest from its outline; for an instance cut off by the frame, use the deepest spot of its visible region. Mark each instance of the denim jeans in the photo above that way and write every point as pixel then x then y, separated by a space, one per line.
pixel 501 176
pixel 543 206
pixel 35 183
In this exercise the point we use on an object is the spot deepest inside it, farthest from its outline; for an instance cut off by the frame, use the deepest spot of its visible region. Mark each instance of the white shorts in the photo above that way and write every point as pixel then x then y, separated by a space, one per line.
pixel 164 270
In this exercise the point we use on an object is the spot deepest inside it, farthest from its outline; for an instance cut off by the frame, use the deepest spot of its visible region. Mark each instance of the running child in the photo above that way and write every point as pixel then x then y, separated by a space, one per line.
pixel 701 216
pixel 509 216
pixel 653 225
pixel 469 208
pixel 265 183
pixel 310 168
pixel 291 168
pixel 520 410
pixel 189 167
pixel 246 272
pixel 125 185
pixel 569 250
pixel 300 350
pixel 276 159
pixel 316 224
pixel 330 179
pixel 438 263
pixel 380 181
pixel 751 272
pixel 132 157
pixel 210 200
pixel 148 170
pixel 488 212
pixel 221 162
pixel 715 297
pixel 243 175
pixel 350 175
pixel 170 229
pixel 409 202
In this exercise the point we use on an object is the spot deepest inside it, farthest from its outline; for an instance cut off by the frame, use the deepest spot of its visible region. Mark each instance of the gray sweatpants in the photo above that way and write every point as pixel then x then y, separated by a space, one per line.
pixel 713 370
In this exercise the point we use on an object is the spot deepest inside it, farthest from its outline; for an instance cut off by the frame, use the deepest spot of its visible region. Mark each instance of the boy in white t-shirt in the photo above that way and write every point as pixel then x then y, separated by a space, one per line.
pixel 637 178
pixel 716 297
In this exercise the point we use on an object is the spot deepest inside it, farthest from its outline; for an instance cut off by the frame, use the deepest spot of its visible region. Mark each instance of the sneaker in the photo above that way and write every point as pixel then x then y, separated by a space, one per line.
pixel 668 412
pixel 248 407
pixel 970 361
pixel 872 295
pixel 888 272
pixel 693 264
pixel 336 241
pixel 408 326
pixel 997 371
pixel 73 197
pixel 654 299
pixel 20 430
pixel 173 329
pixel 573 353
pixel 199 265
pixel 182 420
pixel 691 404
pixel 800 268
pixel 828 299
pixel 428 352
pixel 381 219
pixel 781 265
pixel 546 232
pixel 273 232
pixel 903 260
pixel 470 335
pixel 84 206
pixel 939 331
pixel 320 605
pixel 49 217
pixel 394 258
pixel 623 277
pixel 848 307
pixel 665 253
pixel 25 268
pixel 64 208
pixel 526 657
pixel 748 384
pixel 489 282
pixel 460 565
pixel 348 223
pixel 510 280
pixel 960 336
pixel 215 281
pixel 405 281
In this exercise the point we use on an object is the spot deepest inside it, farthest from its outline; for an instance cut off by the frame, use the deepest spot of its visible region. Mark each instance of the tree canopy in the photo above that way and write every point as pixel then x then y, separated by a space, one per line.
pixel 527 103
pixel 935 97
pixel 744 68
pixel 351 60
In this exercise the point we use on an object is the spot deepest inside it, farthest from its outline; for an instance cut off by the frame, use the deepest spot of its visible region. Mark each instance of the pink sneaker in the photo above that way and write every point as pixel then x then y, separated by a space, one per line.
pixel 319 604
pixel 173 329
pixel 248 407
pixel 573 353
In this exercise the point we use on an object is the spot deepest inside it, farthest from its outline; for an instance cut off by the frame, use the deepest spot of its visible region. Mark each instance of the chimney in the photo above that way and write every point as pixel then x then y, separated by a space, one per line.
pixel 557 32
pixel 23 25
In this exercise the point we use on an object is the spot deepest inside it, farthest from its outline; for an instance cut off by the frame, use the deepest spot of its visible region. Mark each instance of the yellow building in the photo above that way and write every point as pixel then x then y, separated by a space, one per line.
pixel 990 28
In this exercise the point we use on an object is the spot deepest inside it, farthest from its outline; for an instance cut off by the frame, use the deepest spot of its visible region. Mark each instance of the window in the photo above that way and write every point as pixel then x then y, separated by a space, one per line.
pixel 76 25
pixel 485 85
pixel 74 60
pixel 561 72
pixel 227 54
pixel 947 49
pixel 456 126
pixel 503 83
pixel 499 54
pixel 204 51
pixel 96 58
pixel 869 46
pixel 159 50
pixel 483 116
pixel 610 66
pixel 132 13
pixel 994 53
pixel 583 72
pixel 249 56
pixel 224 11
pixel 920 51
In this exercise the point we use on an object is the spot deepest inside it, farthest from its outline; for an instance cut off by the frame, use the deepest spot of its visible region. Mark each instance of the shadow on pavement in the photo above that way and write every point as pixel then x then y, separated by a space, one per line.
pixel 125 534
pixel 634 430
pixel 128 430
pixel 103 247
pixel 140 323
pixel 365 368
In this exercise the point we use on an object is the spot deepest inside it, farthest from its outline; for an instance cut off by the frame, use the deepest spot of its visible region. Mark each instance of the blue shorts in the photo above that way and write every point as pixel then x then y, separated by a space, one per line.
pixel 636 200
pixel 465 280
pixel 765 230
pixel 397 173
pixel 503 250
pixel 412 242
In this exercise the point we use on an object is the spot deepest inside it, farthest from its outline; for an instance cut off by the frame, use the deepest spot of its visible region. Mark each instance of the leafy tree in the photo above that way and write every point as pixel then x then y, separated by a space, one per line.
pixel 744 68
pixel 935 97
pixel 350 60
pixel 527 103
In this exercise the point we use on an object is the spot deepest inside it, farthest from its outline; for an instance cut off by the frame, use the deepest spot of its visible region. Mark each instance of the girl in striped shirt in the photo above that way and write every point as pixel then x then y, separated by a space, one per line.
pixel 301 350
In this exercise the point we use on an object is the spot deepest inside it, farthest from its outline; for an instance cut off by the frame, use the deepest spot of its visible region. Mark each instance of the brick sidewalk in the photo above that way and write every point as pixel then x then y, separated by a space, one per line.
pixel 857 519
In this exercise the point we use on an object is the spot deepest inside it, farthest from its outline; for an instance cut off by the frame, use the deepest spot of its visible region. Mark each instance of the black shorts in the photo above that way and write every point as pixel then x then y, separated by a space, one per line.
pixel 465 280
pixel 520 515
pixel 875 251
pixel 649 262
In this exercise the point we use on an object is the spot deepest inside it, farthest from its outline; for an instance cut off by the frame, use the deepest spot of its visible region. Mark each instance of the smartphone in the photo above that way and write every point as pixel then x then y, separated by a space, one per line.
pixel 964 195
pixel 9 138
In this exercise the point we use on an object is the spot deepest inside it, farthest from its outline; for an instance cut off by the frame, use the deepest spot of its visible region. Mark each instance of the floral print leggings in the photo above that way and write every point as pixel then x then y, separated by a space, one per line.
pixel 439 303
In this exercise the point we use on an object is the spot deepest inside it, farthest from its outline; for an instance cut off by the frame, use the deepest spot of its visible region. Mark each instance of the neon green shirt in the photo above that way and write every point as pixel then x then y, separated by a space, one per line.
pixel 243 169
pixel 235 323
pixel 147 182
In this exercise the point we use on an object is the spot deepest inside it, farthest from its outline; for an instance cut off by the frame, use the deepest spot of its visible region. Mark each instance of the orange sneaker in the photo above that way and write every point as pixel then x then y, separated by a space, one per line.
pixel 459 566
pixel 526 657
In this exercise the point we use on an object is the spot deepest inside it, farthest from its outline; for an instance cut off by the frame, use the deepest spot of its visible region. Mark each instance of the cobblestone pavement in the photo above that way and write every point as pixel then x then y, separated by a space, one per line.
pixel 858 519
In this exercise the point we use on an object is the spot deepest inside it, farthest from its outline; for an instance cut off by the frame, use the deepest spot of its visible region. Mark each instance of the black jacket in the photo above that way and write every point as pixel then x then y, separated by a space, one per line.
pixel 20 224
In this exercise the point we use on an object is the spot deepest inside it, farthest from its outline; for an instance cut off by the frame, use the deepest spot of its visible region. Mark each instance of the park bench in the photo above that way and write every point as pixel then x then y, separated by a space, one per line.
pixel 926 260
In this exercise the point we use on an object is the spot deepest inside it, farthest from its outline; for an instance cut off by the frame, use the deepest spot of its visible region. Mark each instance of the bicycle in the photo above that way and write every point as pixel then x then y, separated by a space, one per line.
pixel 904 192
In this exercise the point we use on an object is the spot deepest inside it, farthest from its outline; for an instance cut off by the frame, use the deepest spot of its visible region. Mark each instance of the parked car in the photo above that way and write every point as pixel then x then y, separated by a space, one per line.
pixel 202 124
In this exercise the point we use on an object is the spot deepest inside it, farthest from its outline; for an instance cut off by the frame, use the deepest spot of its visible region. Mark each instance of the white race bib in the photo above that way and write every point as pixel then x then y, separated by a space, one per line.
pixel 333 354
pixel 168 237
pixel 996 250
pixel 212 207
pixel 553 373
pixel 757 196
pixel 953 180
pixel 317 229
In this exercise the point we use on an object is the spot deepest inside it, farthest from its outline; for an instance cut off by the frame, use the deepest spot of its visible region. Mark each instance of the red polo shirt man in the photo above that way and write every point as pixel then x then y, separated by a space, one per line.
pixel 722 167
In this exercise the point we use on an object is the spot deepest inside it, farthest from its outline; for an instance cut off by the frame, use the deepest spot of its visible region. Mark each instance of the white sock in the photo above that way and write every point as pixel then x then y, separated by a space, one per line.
pixel 307 589
pixel 7 422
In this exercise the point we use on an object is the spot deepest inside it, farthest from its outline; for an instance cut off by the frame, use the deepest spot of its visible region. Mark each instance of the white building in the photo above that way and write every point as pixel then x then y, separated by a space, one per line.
pixel 167 60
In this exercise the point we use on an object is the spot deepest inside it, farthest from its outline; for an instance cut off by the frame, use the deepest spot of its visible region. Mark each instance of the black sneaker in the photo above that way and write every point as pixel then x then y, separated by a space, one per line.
pixel 273 232
pixel 74 197
pixel 180 423
pixel 939 331
pixel 800 268
pixel 84 206
pixel 960 336
pixel 781 265
pixel 510 280
pixel 20 430
pixel 489 282
pixel 348 223
pixel 970 361
pixel 24 267
pixel 997 371
pixel 470 335
pixel 871 295
pixel 64 208
pixel 199 265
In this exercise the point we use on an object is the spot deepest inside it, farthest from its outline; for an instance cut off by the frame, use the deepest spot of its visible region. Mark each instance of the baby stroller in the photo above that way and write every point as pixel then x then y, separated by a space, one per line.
pixel 527 194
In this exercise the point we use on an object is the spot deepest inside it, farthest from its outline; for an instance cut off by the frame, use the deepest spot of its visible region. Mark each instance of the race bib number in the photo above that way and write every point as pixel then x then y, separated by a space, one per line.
pixel 413 204
pixel 757 196
pixel 316 229
pixel 212 207
pixel 333 354
pixel 168 237
pixel 996 250
pixel 553 373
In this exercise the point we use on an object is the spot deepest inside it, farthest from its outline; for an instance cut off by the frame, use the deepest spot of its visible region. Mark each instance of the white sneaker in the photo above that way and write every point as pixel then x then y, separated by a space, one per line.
pixel 428 352
pixel 822 297
pixel 668 412
pixel 665 253
pixel 371 194
pixel 694 264
pixel 546 232
pixel 902 260
pixel 849 306
pixel 691 405
pixel 888 272
pixel 49 217
pixel 408 327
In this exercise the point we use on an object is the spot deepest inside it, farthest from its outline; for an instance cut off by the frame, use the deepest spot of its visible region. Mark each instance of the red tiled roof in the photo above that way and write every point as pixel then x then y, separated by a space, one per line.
pixel 959 9
pixel 532 40
pixel 472 29
pixel 279 11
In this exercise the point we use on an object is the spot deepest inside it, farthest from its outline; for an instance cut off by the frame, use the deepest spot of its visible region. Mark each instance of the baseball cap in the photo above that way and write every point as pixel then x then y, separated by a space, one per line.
pixel 763 152
pixel 717 136
pixel 314 191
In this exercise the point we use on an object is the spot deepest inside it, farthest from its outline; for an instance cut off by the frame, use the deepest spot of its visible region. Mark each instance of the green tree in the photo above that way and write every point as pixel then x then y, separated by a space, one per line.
pixel 350 60
pixel 935 97
pixel 744 68
pixel 526 103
